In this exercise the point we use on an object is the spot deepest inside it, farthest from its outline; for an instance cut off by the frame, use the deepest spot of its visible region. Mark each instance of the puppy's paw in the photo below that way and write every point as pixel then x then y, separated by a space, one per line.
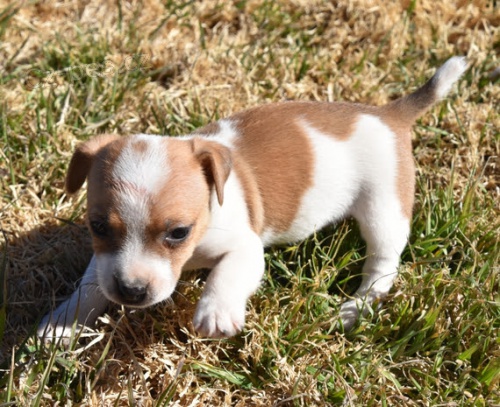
pixel 51 332
pixel 218 318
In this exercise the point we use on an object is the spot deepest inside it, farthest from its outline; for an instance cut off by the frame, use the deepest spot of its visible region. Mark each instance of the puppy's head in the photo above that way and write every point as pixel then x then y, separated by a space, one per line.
pixel 148 206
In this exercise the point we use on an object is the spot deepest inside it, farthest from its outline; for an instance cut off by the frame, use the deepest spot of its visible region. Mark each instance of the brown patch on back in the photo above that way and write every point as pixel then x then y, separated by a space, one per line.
pixel 280 158
pixel 278 153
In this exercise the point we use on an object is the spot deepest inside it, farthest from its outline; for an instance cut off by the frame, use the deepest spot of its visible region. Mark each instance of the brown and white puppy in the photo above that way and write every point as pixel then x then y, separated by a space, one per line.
pixel 216 198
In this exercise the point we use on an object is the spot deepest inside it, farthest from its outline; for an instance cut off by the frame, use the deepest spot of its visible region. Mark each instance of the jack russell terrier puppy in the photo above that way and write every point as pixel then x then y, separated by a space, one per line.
pixel 214 199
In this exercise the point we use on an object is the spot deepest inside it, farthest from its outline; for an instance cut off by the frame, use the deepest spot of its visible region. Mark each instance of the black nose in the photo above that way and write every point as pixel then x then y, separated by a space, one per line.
pixel 131 294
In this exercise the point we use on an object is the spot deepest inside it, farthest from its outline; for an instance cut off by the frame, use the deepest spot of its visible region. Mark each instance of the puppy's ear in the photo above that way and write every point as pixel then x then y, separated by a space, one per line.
pixel 81 161
pixel 216 162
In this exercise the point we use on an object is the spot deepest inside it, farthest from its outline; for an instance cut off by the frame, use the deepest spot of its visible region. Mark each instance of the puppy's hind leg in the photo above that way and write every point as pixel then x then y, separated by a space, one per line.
pixel 385 230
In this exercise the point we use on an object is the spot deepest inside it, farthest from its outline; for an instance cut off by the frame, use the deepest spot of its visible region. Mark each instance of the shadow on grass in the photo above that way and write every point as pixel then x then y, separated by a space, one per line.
pixel 41 269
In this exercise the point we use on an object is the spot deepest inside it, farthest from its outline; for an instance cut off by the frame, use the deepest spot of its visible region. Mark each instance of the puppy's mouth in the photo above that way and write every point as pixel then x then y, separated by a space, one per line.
pixel 134 295
pixel 141 286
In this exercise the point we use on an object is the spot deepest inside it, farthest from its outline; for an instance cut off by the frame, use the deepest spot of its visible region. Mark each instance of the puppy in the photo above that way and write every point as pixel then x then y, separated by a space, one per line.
pixel 214 199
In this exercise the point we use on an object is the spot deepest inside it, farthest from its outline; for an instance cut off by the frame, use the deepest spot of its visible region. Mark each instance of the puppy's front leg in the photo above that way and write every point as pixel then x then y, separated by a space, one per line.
pixel 221 309
pixel 83 307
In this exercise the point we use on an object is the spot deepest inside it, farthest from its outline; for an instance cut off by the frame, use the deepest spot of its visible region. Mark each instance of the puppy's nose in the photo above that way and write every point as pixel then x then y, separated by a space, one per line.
pixel 131 294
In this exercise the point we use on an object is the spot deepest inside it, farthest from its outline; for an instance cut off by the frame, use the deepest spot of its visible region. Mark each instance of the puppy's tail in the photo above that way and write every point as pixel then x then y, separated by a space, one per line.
pixel 410 107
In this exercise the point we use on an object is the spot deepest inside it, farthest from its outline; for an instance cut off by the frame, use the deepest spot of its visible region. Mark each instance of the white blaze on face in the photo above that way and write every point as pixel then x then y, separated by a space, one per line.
pixel 138 174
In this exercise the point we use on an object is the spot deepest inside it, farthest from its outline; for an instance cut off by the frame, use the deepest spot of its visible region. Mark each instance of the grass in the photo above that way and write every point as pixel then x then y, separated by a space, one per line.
pixel 70 70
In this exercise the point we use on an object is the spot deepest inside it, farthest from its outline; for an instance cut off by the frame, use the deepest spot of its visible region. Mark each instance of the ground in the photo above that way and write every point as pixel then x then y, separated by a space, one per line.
pixel 70 70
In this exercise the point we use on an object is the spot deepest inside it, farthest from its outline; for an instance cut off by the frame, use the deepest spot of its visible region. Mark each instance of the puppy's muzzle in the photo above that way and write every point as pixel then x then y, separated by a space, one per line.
pixel 131 294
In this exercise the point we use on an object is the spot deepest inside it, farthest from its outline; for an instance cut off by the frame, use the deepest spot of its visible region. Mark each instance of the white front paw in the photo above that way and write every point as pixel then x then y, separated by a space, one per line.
pixel 52 331
pixel 218 318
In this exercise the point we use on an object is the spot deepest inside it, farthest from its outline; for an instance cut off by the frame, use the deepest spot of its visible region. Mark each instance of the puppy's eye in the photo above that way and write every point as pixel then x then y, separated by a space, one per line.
pixel 99 228
pixel 177 235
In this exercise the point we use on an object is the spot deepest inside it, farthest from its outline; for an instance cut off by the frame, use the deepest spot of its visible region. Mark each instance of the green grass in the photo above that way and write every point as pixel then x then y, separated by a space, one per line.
pixel 433 342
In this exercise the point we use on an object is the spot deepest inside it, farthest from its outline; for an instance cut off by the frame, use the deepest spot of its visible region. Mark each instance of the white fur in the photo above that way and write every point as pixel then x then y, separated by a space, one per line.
pixel 448 74
pixel 330 196
pixel 221 309
pixel 138 174
pixel 365 187
pixel 145 170
pixel 226 135
pixel 356 177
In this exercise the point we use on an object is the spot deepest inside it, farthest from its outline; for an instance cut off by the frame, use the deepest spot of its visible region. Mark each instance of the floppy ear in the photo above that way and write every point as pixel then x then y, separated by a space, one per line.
pixel 215 159
pixel 81 161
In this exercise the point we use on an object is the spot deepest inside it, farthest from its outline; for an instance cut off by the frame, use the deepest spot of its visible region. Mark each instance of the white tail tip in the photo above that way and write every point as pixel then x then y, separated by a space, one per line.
pixel 448 74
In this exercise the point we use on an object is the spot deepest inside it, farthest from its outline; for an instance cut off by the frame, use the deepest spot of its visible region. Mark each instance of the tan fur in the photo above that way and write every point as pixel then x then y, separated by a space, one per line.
pixel 85 165
pixel 99 197
pixel 287 155
pixel 253 198
pixel 245 176
pixel 410 107
pixel 401 126
pixel 140 146
pixel 284 157
pixel 271 150
pixel 400 116
pixel 81 161
pixel 180 209
pixel 216 163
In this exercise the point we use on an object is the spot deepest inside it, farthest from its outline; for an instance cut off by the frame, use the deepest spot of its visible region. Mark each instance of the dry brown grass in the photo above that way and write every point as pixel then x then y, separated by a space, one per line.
pixel 203 60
